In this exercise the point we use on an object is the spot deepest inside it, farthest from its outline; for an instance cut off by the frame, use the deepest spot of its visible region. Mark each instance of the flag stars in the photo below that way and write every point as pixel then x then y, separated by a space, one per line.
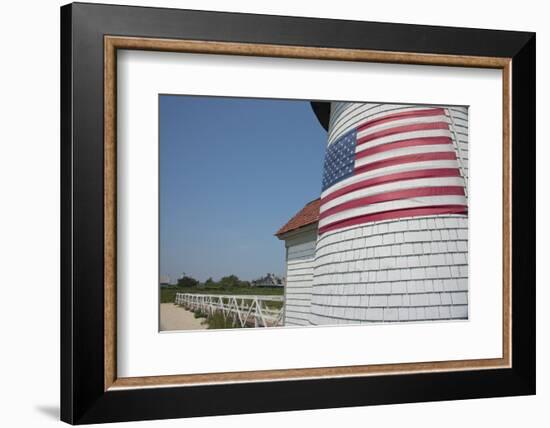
pixel 339 159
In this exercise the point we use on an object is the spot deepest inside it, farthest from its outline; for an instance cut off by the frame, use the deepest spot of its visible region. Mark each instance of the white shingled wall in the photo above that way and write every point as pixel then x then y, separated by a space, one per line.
pixel 300 254
pixel 408 269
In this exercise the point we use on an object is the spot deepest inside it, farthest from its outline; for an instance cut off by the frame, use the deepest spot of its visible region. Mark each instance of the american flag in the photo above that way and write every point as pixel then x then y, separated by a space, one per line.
pixel 394 165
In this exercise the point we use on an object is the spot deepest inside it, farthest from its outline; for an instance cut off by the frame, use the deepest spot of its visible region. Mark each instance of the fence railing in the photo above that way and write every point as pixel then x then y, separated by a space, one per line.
pixel 242 310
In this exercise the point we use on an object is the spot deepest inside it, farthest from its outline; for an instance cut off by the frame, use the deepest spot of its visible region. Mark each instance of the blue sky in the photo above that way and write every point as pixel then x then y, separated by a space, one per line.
pixel 232 171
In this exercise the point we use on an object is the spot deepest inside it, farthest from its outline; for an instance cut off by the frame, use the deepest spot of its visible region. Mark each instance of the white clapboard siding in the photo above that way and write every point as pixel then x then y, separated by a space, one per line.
pixel 408 269
pixel 300 254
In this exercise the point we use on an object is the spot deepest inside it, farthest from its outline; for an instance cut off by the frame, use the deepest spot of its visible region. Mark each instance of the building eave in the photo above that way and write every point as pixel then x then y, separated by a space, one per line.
pixel 299 231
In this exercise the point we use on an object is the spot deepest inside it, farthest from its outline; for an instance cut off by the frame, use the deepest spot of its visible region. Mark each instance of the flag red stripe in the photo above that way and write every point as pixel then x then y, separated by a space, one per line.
pixel 424 141
pixel 390 178
pixel 388 215
pixel 394 196
pixel 402 115
pixel 401 129
pixel 419 157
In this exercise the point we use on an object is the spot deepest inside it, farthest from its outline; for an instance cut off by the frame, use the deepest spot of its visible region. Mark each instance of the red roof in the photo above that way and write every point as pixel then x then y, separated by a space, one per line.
pixel 307 215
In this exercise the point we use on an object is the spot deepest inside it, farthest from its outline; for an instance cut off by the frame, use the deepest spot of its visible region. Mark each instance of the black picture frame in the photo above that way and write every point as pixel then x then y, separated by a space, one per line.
pixel 83 397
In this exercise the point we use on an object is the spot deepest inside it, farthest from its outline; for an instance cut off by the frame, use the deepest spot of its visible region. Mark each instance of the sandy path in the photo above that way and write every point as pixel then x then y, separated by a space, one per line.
pixel 173 317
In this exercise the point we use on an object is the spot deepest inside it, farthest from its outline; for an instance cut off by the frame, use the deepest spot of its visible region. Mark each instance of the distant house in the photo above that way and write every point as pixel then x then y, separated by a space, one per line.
pixel 270 280
pixel 300 236
pixel 165 281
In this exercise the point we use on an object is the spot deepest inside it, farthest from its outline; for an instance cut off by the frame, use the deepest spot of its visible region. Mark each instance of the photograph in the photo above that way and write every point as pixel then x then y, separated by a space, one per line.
pixel 277 214
pixel 296 213
pixel 274 212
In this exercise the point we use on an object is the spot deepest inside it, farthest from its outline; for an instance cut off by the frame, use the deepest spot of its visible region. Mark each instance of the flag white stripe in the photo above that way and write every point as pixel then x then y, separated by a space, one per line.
pixel 419 202
pixel 363 113
pixel 402 122
pixel 385 110
pixel 403 136
pixel 391 187
pixel 404 151
pixel 413 166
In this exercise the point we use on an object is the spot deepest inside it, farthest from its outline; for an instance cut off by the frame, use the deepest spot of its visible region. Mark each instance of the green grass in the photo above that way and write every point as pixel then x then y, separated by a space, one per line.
pixel 263 291
pixel 217 321
pixel 168 294
pixel 200 314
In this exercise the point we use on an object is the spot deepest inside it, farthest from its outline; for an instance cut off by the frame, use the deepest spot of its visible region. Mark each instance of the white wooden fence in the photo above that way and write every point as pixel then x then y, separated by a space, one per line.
pixel 243 310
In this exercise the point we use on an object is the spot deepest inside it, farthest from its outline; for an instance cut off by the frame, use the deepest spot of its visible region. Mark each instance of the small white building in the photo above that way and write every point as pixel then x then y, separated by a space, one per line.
pixel 300 236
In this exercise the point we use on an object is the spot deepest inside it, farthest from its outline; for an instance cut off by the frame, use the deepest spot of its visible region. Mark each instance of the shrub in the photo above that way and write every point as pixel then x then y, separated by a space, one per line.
pixel 217 321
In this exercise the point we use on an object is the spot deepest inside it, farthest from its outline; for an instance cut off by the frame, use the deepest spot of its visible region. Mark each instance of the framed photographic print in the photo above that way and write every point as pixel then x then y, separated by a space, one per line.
pixel 288 213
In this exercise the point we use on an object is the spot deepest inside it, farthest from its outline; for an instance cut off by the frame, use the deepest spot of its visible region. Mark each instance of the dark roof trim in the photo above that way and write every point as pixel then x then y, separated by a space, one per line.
pixel 322 111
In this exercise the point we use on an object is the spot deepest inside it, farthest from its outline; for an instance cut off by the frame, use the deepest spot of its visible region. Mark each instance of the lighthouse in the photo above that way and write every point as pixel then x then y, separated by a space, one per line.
pixel 389 239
